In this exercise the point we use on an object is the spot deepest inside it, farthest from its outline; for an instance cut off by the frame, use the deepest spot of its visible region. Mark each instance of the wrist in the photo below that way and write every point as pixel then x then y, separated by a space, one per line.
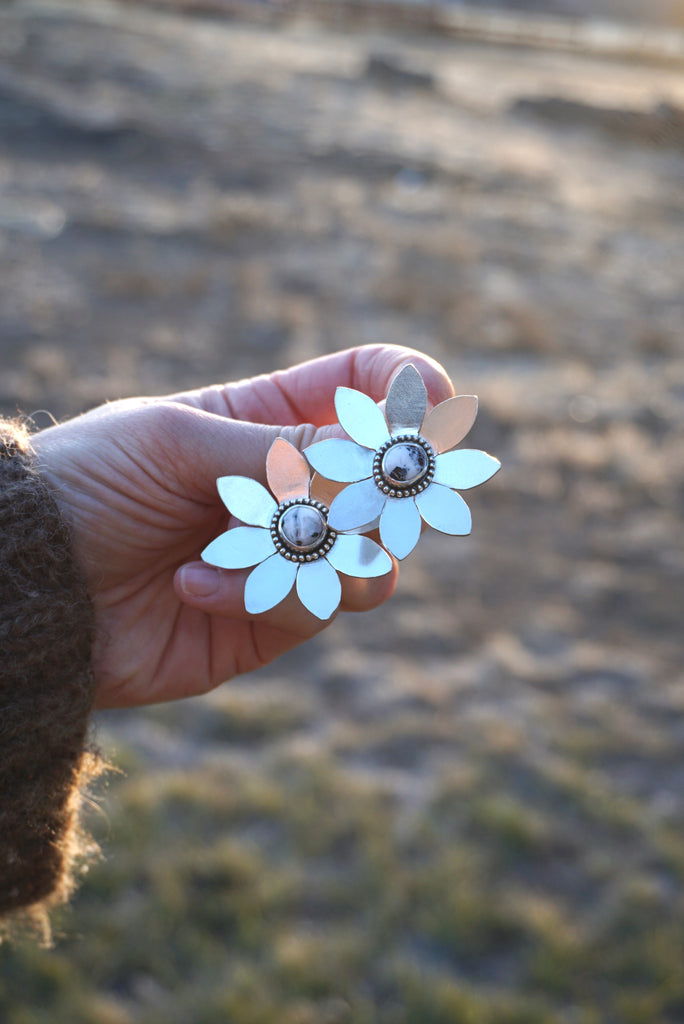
pixel 46 686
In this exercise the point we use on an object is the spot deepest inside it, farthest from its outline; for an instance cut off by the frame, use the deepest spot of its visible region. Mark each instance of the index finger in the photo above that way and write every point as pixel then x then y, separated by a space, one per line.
pixel 306 393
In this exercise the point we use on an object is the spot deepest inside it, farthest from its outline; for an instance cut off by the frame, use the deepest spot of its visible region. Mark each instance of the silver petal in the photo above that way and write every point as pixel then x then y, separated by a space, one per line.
pixel 247 499
pixel 269 584
pixel 356 506
pixel 400 526
pixel 286 470
pixel 406 401
pixel 327 490
pixel 465 468
pixel 444 510
pixel 344 461
pixel 361 418
pixel 323 489
pixel 319 588
pixel 449 422
pixel 239 548
pixel 359 556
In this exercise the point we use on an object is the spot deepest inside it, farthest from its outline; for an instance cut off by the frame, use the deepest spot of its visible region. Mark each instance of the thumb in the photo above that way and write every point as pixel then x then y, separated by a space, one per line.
pixel 234 448
pixel 204 446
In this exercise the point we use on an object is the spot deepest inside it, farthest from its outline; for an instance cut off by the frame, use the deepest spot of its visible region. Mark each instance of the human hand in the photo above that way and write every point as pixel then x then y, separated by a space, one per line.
pixel 138 480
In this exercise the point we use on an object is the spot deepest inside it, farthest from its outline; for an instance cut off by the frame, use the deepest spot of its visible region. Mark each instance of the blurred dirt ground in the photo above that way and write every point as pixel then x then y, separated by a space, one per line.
pixel 466 806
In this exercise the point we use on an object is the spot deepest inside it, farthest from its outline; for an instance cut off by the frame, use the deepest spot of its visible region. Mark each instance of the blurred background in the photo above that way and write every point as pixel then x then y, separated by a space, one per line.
pixel 465 807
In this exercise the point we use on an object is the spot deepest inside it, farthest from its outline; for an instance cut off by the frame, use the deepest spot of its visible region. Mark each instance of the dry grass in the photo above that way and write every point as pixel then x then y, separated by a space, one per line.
pixel 466 806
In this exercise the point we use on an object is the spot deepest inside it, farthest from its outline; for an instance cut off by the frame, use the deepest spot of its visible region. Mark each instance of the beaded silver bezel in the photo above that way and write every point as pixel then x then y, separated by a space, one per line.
pixel 394 489
pixel 289 552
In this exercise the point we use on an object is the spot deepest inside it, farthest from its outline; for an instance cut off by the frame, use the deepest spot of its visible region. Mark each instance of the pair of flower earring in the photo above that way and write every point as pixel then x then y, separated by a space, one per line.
pixel 400 471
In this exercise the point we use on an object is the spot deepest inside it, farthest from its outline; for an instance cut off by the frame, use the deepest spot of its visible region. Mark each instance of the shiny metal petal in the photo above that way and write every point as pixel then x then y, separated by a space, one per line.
pixel 406 401
pixel 400 526
pixel 324 490
pixel 247 500
pixel 269 584
pixel 287 471
pixel 327 490
pixel 240 548
pixel 465 468
pixel 449 422
pixel 319 588
pixel 340 460
pixel 359 556
pixel 361 418
pixel 444 510
pixel 356 506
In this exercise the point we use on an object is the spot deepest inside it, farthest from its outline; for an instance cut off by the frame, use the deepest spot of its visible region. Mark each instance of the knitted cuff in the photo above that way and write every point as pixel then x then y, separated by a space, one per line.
pixel 46 690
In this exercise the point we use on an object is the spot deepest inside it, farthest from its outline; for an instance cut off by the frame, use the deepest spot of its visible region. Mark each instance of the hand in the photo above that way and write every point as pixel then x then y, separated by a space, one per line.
pixel 138 480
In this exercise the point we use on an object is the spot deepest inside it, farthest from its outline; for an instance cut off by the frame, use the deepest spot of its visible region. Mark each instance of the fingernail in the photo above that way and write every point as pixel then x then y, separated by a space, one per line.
pixel 199 581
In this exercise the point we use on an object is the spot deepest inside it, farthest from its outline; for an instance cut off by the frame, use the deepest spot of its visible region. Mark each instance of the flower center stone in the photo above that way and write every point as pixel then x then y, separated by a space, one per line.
pixel 302 527
pixel 405 464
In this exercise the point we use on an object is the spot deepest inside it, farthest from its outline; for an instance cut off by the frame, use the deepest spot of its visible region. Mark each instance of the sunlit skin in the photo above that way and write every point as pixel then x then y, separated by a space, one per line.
pixel 138 480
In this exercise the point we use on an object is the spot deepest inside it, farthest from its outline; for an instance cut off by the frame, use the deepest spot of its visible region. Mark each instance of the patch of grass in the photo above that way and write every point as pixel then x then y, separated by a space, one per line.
pixel 239 716
pixel 298 892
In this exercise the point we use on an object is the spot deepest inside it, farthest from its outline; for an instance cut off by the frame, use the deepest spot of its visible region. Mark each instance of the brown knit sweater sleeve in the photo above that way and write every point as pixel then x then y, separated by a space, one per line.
pixel 46 692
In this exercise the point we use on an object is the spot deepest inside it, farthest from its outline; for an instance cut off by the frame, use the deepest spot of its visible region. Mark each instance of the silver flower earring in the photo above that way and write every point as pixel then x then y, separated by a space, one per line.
pixel 289 539
pixel 399 465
